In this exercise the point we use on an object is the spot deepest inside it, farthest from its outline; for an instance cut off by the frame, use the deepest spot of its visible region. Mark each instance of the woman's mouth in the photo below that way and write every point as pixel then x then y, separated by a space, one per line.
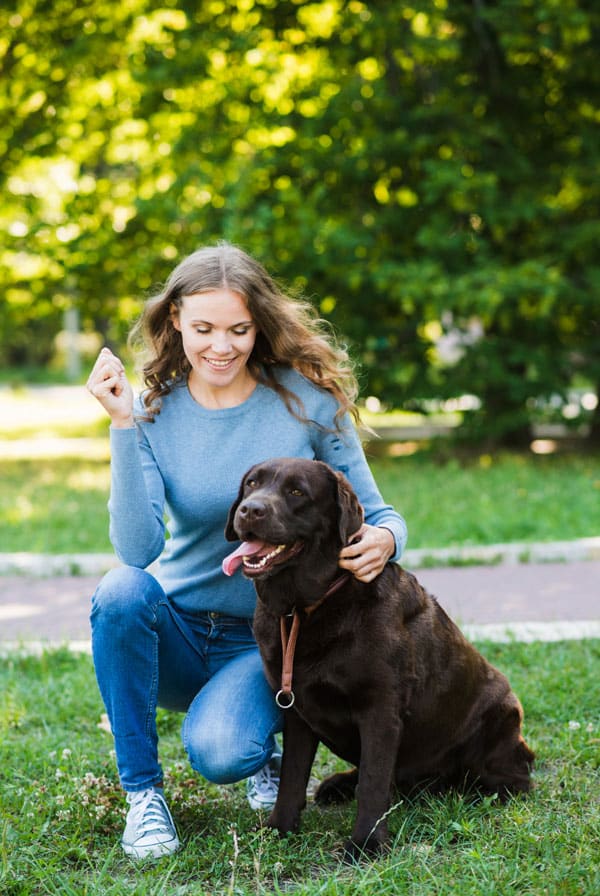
pixel 218 363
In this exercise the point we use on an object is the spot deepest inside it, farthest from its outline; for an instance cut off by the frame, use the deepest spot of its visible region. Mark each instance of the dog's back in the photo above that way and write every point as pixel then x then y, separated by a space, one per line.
pixel 457 704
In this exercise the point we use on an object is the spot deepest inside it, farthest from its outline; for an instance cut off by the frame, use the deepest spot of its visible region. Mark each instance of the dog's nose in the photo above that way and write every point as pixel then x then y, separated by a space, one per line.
pixel 252 510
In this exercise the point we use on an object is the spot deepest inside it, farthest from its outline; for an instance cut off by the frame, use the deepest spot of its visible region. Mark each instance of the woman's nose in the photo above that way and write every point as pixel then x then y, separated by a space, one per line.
pixel 221 344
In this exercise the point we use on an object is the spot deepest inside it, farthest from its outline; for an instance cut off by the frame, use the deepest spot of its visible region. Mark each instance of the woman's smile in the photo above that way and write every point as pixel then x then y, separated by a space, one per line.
pixel 218 337
pixel 219 363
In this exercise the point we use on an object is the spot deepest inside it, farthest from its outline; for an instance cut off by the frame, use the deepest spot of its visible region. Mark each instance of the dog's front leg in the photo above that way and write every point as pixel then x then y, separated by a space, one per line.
pixel 299 748
pixel 379 738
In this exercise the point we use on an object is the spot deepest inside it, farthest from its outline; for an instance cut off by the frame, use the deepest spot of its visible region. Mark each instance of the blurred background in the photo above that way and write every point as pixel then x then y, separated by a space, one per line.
pixel 426 173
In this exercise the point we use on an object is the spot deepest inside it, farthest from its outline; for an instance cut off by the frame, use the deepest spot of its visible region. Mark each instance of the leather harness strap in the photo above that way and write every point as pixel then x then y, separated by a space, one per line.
pixel 285 696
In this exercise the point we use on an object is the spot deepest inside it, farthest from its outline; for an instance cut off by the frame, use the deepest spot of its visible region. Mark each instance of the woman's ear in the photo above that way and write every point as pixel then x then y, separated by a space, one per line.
pixel 174 316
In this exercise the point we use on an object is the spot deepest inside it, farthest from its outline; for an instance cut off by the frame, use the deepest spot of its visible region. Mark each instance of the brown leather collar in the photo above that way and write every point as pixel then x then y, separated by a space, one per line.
pixel 285 696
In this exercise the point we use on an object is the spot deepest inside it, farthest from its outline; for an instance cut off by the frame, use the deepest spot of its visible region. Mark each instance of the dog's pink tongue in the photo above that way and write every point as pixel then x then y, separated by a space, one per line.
pixel 246 549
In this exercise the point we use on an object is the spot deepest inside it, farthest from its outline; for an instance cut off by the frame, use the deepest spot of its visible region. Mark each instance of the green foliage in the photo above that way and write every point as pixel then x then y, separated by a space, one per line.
pixel 425 173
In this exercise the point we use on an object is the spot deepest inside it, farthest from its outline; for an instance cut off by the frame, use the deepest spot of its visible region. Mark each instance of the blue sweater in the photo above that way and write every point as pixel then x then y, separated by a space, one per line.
pixel 187 467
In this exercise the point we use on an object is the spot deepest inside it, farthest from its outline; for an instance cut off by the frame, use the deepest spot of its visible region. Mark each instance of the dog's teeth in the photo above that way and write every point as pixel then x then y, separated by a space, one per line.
pixel 258 564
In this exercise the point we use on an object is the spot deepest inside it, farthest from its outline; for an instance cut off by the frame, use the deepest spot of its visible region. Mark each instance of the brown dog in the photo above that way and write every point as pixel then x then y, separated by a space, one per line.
pixel 381 675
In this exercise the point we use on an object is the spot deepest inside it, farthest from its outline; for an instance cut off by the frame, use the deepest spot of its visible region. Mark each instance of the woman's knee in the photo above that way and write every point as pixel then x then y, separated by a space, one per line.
pixel 228 730
pixel 124 592
pixel 221 755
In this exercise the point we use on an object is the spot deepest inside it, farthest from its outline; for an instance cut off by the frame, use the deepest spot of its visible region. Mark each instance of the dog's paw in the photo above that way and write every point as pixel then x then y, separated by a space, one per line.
pixel 338 788
pixel 355 852
pixel 283 824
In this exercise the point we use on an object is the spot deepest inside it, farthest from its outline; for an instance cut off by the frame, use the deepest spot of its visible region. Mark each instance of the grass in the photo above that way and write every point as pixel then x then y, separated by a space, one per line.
pixel 55 505
pixel 484 500
pixel 55 480
pixel 58 504
pixel 61 810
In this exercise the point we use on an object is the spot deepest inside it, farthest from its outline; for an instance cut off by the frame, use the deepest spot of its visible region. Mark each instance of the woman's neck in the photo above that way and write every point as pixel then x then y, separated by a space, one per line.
pixel 214 398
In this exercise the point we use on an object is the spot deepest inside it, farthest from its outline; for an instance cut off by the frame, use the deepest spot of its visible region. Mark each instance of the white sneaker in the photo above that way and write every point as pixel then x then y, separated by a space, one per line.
pixel 149 829
pixel 261 788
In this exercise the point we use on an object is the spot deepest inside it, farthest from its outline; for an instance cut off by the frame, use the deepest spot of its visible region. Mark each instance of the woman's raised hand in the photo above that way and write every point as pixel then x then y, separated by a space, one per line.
pixel 108 383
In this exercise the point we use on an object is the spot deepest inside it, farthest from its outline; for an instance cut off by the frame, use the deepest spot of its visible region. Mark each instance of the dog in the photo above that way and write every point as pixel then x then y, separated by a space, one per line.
pixel 381 675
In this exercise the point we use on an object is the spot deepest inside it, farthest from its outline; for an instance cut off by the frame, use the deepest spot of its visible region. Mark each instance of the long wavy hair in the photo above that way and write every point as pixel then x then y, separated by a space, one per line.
pixel 289 332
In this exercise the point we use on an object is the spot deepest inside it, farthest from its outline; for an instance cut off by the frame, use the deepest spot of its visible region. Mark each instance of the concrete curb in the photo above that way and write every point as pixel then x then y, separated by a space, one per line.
pixel 498 633
pixel 513 553
pixel 48 565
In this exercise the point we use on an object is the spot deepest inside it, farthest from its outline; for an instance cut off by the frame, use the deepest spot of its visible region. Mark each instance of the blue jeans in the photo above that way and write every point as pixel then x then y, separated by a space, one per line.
pixel 148 654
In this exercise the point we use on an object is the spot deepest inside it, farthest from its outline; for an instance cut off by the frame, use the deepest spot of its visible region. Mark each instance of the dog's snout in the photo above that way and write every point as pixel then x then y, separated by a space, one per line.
pixel 252 509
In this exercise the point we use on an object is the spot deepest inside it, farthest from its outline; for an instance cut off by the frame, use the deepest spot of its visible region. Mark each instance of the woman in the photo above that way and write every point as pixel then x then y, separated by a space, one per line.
pixel 236 372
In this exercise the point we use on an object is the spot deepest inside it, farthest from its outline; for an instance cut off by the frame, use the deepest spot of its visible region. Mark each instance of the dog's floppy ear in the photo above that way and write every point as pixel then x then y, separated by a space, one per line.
pixel 350 512
pixel 230 533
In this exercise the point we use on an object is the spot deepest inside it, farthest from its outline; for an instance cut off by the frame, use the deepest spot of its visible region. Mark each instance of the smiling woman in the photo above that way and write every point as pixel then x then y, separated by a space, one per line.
pixel 236 372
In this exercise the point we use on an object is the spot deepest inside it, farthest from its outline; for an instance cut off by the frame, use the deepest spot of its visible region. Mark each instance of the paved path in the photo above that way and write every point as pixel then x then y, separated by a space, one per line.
pixel 554 597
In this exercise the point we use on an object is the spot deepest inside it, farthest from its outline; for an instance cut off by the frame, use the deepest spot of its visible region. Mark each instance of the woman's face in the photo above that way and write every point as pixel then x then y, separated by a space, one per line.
pixel 218 335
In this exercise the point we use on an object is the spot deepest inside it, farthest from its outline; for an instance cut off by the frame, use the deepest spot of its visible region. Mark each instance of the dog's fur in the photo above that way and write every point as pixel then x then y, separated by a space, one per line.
pixel 382 676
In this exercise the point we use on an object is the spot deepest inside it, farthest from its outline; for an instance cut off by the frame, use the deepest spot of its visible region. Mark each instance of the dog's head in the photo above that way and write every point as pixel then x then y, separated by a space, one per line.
pixel 285 508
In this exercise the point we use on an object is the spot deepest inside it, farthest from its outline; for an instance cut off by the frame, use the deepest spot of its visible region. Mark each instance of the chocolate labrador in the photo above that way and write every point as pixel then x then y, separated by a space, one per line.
pixel 377 672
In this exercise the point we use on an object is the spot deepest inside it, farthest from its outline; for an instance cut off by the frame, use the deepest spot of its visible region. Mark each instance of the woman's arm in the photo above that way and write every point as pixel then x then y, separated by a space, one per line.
pixel 136 528
pixel 136 504
pixel 383 534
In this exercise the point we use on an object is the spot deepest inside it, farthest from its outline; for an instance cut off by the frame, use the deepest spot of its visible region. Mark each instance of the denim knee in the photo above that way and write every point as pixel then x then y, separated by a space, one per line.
pixel 122 594
pixel 219 756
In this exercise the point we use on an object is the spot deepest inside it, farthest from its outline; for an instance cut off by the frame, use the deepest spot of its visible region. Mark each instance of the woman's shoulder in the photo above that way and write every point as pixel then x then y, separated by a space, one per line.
pixel 297 382
pixel 316 399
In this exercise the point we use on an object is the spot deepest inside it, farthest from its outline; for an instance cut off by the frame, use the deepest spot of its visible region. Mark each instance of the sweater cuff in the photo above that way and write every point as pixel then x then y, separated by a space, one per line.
pixel 399 534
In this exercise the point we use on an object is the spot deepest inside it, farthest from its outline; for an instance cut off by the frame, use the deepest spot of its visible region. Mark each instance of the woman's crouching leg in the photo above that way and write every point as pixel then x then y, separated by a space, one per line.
pixel 229 729
pixel 125 610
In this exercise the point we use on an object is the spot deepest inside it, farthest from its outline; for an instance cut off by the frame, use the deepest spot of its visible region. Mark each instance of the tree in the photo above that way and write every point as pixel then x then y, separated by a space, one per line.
pixel 423 173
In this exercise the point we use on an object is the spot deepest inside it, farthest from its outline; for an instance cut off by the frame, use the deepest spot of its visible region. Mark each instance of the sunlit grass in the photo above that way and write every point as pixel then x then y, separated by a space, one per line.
pixel 489 500
pixel 62 812
pixel 54 469
pixel 54 506
pixel 58 505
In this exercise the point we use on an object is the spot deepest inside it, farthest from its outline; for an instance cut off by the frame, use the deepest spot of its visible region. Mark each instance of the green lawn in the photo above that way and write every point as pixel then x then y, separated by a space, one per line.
pixel 58 505
pixel 61 811
pixel 493 499
pixel 55 481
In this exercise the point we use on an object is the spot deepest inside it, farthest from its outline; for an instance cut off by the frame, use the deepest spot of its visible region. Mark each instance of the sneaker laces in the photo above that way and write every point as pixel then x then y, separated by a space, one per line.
pixel 149 812
pixel 268 775
pixel 262 787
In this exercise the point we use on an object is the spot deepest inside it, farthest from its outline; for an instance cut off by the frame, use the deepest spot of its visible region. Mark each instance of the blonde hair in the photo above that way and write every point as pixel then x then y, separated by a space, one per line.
pixel 289 331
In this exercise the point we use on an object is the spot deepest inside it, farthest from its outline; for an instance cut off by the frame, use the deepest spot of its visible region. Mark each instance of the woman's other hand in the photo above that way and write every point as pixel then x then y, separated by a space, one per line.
pixel 369 550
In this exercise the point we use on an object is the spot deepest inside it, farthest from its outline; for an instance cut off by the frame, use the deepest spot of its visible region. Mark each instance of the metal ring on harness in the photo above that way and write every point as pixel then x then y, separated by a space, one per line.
pixel 287 694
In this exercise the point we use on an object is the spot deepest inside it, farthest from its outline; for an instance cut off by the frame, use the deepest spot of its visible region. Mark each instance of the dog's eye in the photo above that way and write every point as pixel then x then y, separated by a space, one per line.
pixel 297 493
pixel 251 483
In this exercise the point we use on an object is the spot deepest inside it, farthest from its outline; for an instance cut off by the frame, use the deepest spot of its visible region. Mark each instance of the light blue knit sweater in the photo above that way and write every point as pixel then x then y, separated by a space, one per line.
pixel 187 467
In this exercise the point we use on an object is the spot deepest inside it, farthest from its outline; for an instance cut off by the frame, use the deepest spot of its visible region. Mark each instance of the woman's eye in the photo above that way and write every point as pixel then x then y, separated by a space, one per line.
pixel 241 332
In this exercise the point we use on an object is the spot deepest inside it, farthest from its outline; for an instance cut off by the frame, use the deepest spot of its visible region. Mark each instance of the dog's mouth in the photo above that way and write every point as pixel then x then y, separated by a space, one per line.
pixel 258 557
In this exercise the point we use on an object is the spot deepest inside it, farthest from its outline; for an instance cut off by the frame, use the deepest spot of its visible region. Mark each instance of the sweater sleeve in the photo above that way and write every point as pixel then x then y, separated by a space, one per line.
pixel 344 452
pixel 137 497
